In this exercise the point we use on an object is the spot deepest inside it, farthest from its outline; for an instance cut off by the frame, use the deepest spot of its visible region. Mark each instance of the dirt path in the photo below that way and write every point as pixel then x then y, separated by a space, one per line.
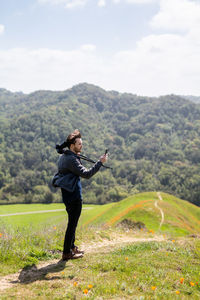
pixel 37 272
pixel 161 211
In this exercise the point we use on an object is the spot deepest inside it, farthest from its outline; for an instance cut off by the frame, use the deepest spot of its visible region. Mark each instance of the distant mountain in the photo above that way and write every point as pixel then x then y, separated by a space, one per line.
pixel 153 143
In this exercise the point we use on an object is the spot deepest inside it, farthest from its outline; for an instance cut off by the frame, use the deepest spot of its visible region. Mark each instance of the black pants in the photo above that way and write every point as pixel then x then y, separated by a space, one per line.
pixel 73 208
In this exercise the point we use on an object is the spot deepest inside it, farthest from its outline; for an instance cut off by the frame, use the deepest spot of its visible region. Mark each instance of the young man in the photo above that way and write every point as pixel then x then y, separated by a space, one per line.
pixel 70 170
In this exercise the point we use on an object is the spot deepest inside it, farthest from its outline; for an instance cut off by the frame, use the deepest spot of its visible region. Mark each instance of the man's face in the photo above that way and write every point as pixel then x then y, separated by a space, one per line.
pixel 77 146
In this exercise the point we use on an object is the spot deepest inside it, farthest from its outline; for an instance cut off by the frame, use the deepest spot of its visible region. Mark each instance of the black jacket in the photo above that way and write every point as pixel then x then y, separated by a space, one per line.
pixel 70 169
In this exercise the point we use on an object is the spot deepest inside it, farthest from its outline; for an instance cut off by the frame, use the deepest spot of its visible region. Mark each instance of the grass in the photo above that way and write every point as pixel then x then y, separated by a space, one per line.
pixel 141 270
pixel 181 217
pixel 31 220
pixel 116 209
pixel 35 219
pixel 14 208
pixel 27 239
pixel 25 246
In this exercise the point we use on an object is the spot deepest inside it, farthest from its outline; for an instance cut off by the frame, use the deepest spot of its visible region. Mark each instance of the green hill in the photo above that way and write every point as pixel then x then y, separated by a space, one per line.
pixel 179 217
pixel 153 143
pixel 137 212
pixel 161 261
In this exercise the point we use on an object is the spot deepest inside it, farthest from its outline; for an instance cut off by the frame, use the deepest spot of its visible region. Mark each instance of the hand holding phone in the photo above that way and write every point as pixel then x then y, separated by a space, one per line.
pixel 104 158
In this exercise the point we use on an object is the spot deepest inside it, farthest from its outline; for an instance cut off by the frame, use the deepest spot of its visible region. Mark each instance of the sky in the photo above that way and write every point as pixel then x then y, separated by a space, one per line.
pixel 144 47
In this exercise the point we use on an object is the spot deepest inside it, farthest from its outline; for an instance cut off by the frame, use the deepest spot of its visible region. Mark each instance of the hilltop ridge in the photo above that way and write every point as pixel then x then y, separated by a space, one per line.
pixel 151 211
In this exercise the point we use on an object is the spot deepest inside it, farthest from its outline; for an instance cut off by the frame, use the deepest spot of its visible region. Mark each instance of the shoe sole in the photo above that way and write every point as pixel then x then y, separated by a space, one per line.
pixel 73 257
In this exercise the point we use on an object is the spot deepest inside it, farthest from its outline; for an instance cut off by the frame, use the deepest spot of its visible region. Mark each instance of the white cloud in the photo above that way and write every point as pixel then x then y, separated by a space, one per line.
pixel 88 47
pixel 178 15
pixel 160 64
pixel 66 3
pixel 52 2
pixel 2 28
pixel 75 3
pixel 101 3
pixel 135 1
pixel 141 1
pixel 29 70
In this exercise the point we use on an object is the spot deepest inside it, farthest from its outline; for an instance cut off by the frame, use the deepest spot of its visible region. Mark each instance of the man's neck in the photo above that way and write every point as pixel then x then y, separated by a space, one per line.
pixel 73 151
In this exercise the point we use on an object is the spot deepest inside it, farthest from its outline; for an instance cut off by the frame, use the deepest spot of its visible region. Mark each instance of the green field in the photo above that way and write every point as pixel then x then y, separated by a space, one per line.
pixel 149 268
pixel 34 214
pixel 44 219
pixel 181 217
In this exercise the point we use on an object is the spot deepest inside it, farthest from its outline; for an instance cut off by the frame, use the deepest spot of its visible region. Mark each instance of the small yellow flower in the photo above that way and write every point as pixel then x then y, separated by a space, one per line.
pixel 181 280
pixel 75 283
pixel 173 241
pixel 126 258
pixel 153 288
pixel 151 231
pixel 54 228
pixel 90 286
pixel 191 283
pixel 62 273
pixel 177 292
pixel 1 234
pixel 134 277
pixel 85 291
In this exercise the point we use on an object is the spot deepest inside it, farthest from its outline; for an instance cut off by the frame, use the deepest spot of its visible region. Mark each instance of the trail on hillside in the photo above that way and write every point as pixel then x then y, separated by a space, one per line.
pixel 161 211
pixel 34 273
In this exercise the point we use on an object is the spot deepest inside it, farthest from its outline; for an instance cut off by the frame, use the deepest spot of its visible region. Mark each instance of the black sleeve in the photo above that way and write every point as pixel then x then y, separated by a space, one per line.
pixel 78 169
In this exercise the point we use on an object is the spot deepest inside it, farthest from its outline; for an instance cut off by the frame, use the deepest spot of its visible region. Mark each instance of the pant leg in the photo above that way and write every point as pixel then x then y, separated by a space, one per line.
pixel 73 208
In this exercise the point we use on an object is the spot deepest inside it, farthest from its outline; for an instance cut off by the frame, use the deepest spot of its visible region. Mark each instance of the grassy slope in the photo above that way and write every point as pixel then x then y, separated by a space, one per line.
pixel 123 272
pixel 181 217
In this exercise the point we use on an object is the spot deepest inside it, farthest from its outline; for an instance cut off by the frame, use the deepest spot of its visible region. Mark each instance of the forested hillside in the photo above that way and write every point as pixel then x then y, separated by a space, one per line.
pixel 153 143
pixel 195 99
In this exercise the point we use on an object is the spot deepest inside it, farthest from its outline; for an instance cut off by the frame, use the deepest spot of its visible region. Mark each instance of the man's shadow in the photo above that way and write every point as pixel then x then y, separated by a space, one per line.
pixel 30 274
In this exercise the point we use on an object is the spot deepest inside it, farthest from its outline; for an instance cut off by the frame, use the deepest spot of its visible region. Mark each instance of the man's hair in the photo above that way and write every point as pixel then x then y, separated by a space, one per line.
pixel 71 139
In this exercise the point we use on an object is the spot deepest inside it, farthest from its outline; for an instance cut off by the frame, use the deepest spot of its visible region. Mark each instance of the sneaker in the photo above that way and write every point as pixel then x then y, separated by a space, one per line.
pixel 71 255
pixel 77 251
